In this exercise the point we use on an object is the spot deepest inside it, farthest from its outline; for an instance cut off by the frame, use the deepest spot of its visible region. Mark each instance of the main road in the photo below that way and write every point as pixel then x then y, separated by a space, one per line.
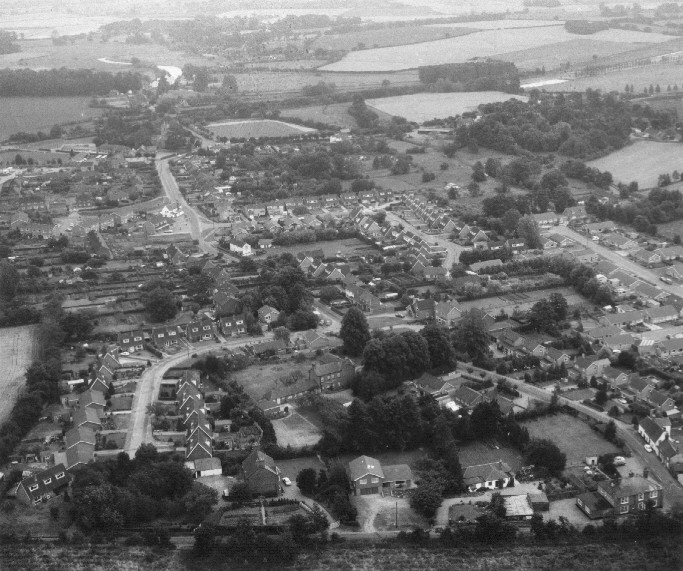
pixel 623 262
pixel 452 249
pixel 673 491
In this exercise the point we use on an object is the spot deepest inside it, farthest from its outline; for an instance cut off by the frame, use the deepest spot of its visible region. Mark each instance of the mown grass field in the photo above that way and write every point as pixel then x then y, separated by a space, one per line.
pixel 32 114
pixel 260 128
pixel 643 161
pixel 17 349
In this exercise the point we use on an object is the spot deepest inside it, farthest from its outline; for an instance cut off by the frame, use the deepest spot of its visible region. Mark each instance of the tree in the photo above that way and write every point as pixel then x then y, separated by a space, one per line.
pixel 281 333
pixel 9 280
pixel 511 219
pixel 473 189
pixel 546 454
pixel 426 499
pixel 559 305
pixel 354 332
pixel 529 231
pixel 601 397
pixel 160 304
pixel 471 335
pixel 610 431
pixel 478 173
pixel 307 480
pixel 441 352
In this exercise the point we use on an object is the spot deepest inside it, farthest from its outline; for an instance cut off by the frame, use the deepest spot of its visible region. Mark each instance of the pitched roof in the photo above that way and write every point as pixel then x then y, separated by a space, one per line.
pixel 83 415
pixel 79 434
pixel 651 428
pixel 485 473
pixel 92 397
pixel 202 464
pixel 397 473
pixel 364 465
pixel 258 461
pixel 47 481
pixel 658 397
pixel 628 486
pixel 466 395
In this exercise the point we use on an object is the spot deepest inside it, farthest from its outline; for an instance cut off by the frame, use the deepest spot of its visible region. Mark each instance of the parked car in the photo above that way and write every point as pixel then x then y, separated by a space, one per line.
pixel 648 448
pixel 619 461
pixel 286 481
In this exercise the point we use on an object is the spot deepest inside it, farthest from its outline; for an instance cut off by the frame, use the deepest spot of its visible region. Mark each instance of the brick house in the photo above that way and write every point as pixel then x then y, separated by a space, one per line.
pixel 629 495
pixel 261 474
pixel 268 314
pixel 131 341
pixel 200 329
pixel 233 325
pixel 369 477
pixel 333 373
pixel 43 485
pixel 495 475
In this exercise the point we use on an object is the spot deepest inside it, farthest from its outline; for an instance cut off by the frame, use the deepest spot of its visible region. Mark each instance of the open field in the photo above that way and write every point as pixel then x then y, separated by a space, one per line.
pixel 479 453
pixel 295 431
pixel 258 380
pixel 259 128
pixel 573 436
pixel 388 37
pixel 349 247
pixel 392 511
pixel 32 114
pixel 335 114
pixel 641 78
pixel 487 43
pixel 17 347
pixel 425 106
pixel 354 556
pixel 42 54
pixel 643 161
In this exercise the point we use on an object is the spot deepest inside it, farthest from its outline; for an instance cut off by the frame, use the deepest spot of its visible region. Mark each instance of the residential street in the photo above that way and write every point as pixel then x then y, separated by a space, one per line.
pixel 453 250
pixel 621 261
pixel 673 491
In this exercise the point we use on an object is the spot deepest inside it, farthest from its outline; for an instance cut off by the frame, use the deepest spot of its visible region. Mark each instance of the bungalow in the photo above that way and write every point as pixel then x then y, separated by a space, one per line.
pixel 268 314
pixel 661 314
pixel 495 475
pixel 619 241
pixel 615 377
pixel 479 266
pixel 368 477
pixel 646 257
pixel 557 357
pixel 92 399
pixel 428 384
pixel 631 317
pixel 432 273
pixel 670 253
pixel 268 348
pixel 620 342
pixel 467 397
pixel 661 401
pixel 546 219
pixel 599 227
pixel 668 347
pixel 42 486
pixel 590 366
pixel 561 240
pixel 646 291
pixel 364 299
pixel 255 210
pixel 600 333
pixel 264 243
pixel 261 474
pixel 241 247
pixel 313 339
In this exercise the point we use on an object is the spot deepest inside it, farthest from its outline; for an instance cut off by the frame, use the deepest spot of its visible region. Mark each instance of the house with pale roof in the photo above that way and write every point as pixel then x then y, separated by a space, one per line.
pixel 369 477
pixel 496 475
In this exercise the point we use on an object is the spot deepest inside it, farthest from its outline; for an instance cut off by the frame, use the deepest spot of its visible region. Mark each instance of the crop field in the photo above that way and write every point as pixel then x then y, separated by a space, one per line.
pixel 425 106
pixel 261 128
pixel 32 114
pixel 641 78
pixel 487 43
pixel 17 345
pixel 388 37
pixel 573 436
pixel 643 161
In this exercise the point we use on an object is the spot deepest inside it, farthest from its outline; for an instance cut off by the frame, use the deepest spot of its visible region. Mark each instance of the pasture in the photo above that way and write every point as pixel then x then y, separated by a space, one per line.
pixel 477 453
pixel 295 431
pixel 335 114
pixel 483 44
pixel 573 436
pixel 643 161
pixel 425 106
pixel 32 114
pixel 256 129
pixel 17 348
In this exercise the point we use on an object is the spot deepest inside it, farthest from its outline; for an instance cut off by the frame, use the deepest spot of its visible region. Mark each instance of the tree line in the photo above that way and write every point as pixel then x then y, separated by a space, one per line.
pixel 65 82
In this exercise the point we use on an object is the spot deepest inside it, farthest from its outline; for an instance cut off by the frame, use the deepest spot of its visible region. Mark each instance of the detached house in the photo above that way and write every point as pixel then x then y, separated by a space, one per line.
pixel 333 373
pixel 131 341
pixel 447 312
pixel 422 309
pixel 629 495
pixel 268 314
pixel 495 475
pixel 241 247
pixel 261 474
pixel 233 325
pixel 368 477
pixel 652 432
pixel 44 485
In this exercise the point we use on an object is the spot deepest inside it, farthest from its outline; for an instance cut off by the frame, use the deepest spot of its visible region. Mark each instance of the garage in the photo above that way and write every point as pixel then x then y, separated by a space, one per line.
pixel 205 467
pixel 369 491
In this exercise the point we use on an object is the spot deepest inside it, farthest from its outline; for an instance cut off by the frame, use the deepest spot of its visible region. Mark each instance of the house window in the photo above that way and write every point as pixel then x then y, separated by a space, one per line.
pixel 641 506
pixel 641 496
pixel 172 333
pixel 47 481
pixel 362 482
pixel 138 339
pixel 125 340
pixel 624 500
pixel 33 488
pixel 653 494
pixel 375 480
pixel 623 509
pixel 195 329
pixel 207 327
pixel 59 476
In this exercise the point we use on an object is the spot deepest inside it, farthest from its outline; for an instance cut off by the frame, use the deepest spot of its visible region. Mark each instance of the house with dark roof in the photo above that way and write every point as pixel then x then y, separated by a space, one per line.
pixel 368 477
pixel 42 486
pixel 421 309
pixel 232 325
pixel 199 329
pixel 467 397
pixel 87 417
pixel 428 384
pixel 652 432
pixel 629 495
pixel 615 377
pixel 312 339
pixel 495 475
pixel 261 474
pixel 661 401
pixel 447 312
pixel 198 445
pixel 131 341
pixel 268 314
pixel 332 373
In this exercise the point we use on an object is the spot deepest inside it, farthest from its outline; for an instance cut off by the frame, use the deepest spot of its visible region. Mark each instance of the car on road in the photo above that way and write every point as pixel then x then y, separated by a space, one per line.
pixel 648 448
pixel 622 401
pixel 125 353
pixel 400 315
pixel 619 461
pixel 286 481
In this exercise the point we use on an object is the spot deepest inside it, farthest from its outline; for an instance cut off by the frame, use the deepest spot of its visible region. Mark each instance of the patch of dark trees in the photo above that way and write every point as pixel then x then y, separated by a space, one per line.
pixel 471 76
pixel 65 82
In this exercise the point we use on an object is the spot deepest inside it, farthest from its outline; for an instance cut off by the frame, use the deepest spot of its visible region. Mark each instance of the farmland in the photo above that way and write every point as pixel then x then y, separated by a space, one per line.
pixel 643 161
pixel 487 43
pixel 262 128
pixel 425 106
pixel 31 114
pixel 388 37
pixel 574 437
pixel 16 354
